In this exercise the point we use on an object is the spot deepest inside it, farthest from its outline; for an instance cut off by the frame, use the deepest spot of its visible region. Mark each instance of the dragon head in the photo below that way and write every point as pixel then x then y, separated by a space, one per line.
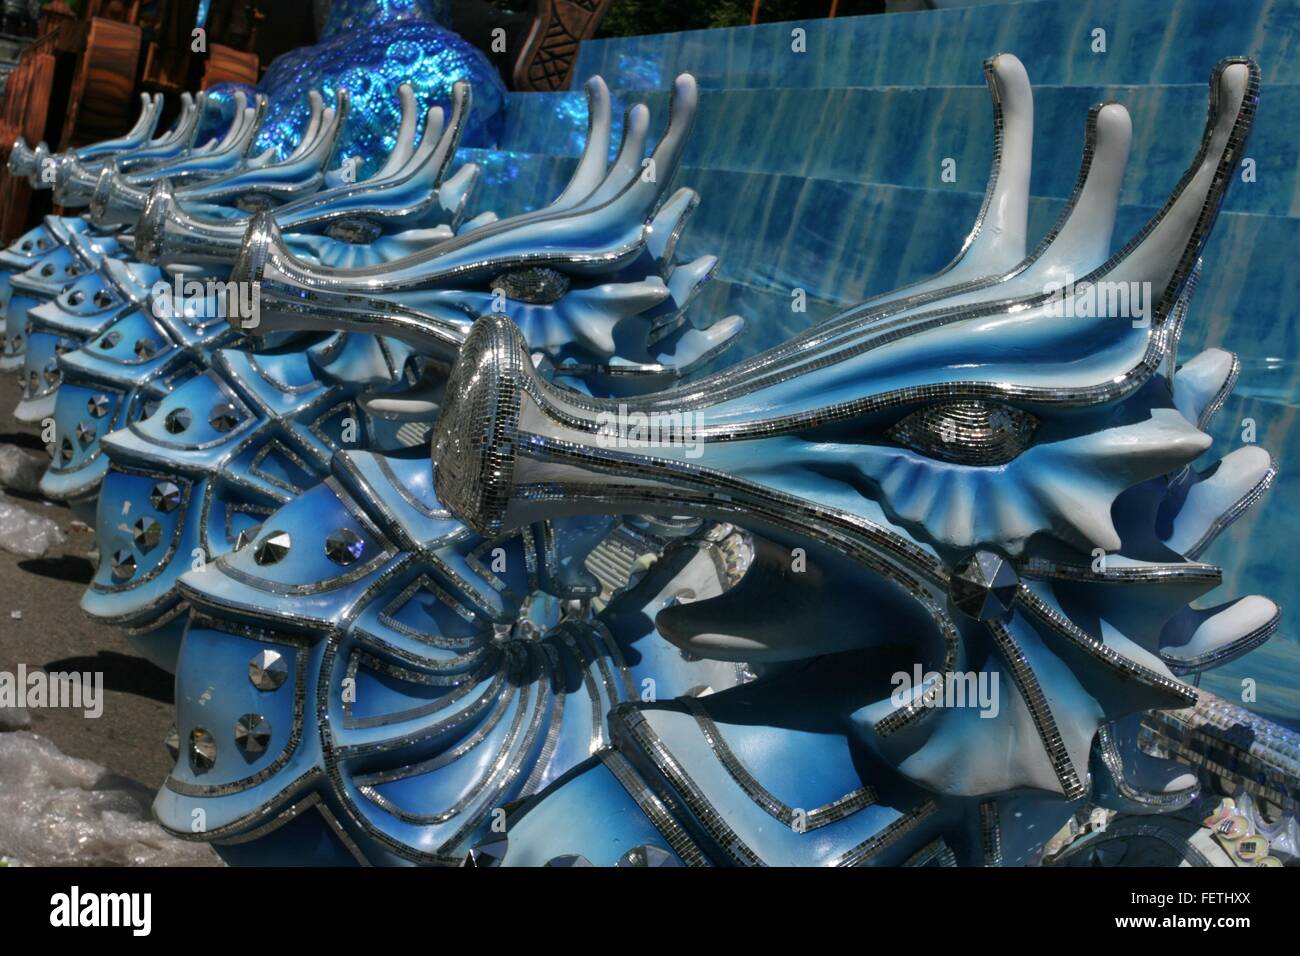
pixel 988 472
pixel 590 278
pixel 409 195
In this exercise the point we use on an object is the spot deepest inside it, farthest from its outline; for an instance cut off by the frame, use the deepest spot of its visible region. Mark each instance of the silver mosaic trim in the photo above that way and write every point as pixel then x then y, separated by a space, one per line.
pixel 797 820
pixel 1108 749
pixel 990 833
pixel 630 725
pixel 866 851
pixel 1026 681
pixel 677 838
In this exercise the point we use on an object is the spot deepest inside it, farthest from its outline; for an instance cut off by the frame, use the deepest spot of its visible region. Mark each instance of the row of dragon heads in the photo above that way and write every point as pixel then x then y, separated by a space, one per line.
pixel 979 484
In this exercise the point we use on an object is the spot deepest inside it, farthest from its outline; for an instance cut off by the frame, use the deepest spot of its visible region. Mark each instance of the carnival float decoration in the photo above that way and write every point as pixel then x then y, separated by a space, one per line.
pixel 459 556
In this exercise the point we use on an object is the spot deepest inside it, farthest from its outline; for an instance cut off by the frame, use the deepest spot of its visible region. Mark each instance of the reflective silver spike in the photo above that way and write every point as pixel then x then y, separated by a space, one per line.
pixel 648 855
pixel 268 670
pixel 223 417
pixel 147 532
pixel 253 733
pixel 488 853
pixel 178 420
pixel 273 548
pixel 123 564
pixel 344 546
pixel 984 586
pixel 165 496
pixel 247 535
pixel 203 750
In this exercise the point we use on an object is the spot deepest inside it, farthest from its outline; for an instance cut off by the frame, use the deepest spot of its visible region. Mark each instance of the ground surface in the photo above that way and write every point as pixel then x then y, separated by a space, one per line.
pixel 54 634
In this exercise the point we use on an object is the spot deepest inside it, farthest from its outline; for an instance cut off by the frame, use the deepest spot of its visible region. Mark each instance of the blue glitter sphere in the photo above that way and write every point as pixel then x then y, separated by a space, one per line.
pixel 370 47
pixel 220 110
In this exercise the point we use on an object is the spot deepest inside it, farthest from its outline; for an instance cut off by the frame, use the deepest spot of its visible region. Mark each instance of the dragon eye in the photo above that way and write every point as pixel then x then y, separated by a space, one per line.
pixel 967 433
pixel 537 286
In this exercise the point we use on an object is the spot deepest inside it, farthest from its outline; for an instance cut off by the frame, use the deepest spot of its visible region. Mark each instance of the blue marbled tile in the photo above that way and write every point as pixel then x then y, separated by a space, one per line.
pixel 844 241
pixel 1153 41
pixel 901 136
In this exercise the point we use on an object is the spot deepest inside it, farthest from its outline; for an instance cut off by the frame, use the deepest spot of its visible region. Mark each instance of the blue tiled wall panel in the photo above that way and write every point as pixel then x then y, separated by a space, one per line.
pixel 901 136
pixel 1153 41
pixel 843 241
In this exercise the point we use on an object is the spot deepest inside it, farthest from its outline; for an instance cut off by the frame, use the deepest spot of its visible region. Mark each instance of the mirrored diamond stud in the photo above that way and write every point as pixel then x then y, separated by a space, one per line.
pixel 272 548
pixel 252 733
pixel 223 417
pixel 147 532
pixel 145 348
pixel 647 855
pixel 86 432
pixel 268 670
pixel 984 586
pixel 66 451
pixel 177 420
pixel 110 339
pixel 173 742
pixel 203 750
pixel 165 496
pixel 488 853
pixel 568 859
pixel 103 299
pixel 246 535
pixel 344 546
pixel 98 405
pixel 123 564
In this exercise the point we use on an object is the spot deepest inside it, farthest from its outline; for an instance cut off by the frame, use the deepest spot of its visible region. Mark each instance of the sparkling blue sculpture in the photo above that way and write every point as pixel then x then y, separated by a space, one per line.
pixel 984 478
pixel 406 204
pixel 223 449
pixel 896 591
pixel 369 48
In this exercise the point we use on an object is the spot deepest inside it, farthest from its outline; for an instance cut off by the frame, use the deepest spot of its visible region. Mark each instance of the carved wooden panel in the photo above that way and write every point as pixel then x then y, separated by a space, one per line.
pixel 27 106
pixel 103 91
pixel 228 65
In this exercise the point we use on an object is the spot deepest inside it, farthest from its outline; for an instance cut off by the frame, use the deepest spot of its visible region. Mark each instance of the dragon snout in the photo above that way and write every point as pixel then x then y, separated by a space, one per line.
pixel 475 438
pixel 150 231
pixel 22 161
pixel 259 239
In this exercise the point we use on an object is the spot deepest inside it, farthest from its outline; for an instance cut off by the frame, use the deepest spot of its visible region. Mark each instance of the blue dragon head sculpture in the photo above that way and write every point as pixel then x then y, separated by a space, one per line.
pixel 972 477
pixel 410 202
pixel 590 278
pixel 226 448
pixel 979 472
pixel 142 333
